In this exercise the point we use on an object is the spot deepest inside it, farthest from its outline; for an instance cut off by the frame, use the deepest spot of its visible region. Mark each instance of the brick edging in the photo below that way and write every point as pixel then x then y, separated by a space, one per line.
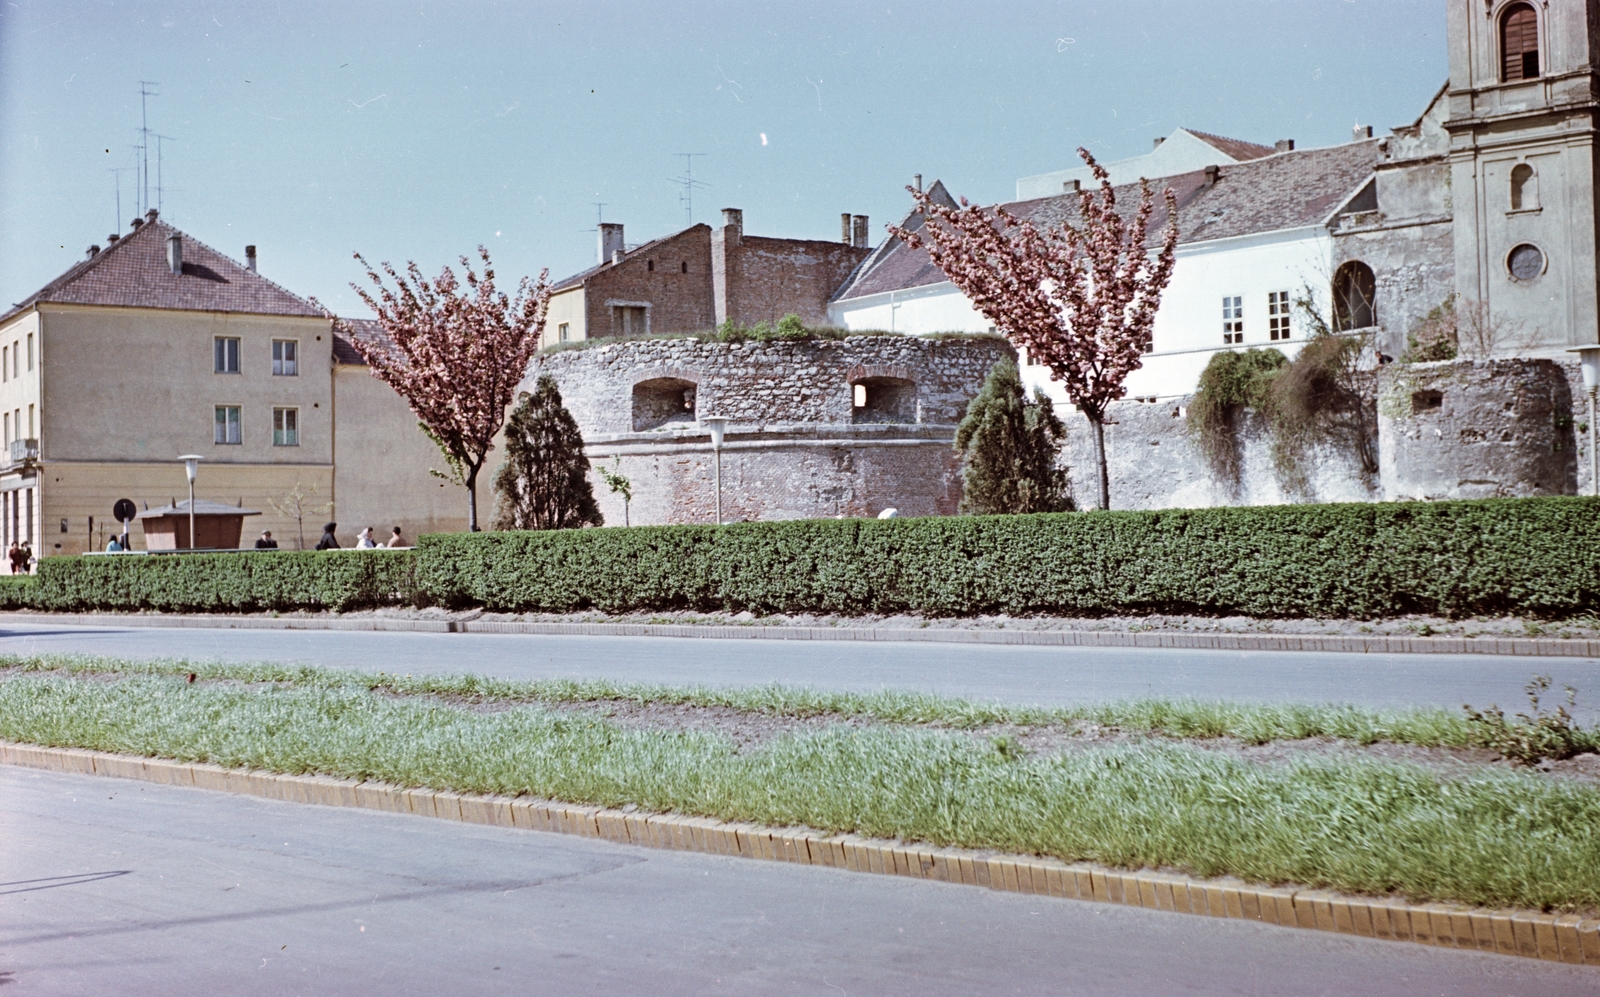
pixel 1530 934
pixel 1326 643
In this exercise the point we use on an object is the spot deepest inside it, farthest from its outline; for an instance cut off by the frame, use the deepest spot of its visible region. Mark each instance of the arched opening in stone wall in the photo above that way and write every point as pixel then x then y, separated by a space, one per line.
pixel 1355 293
pixel 662 401
pixel 883 399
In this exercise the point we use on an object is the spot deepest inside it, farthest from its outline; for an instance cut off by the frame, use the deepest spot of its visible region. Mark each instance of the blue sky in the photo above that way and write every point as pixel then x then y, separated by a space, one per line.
pixel 412 130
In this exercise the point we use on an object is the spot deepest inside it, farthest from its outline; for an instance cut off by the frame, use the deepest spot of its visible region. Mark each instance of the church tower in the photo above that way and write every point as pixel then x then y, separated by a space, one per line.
pixel 1523 93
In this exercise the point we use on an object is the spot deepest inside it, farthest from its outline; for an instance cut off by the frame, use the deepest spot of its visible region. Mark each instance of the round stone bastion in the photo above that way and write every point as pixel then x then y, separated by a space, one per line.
pixel 815 429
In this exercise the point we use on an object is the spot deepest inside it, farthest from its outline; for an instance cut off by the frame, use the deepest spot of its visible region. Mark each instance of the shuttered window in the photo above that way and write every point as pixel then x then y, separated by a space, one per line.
pixel 1519 44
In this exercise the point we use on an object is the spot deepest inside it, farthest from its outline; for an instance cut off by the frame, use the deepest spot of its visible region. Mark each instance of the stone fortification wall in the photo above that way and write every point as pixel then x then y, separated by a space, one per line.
pixel 797 445
pixel 1477 429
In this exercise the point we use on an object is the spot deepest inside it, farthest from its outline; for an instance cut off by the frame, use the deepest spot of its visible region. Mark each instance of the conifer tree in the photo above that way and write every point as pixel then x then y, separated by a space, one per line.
pixel 1008 444
pixel 544 483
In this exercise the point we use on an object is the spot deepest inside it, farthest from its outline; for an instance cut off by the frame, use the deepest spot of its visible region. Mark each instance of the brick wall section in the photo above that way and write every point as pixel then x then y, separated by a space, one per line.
pixel 772 383
pixel 679 302
pixel 770 278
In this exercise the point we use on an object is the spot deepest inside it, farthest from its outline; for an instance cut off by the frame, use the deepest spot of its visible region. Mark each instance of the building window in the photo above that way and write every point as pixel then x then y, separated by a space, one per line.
pixel 1525 262
pixel 1524 194
pixel 30 351
pixel 8 429
pixel 684 267
pixel 5 363
pixel 1232 320
pixel 629 320
pixel 1277 315
pixel 650 265
pixel 286 357
pixel 30 407
pixel 285 427
pixel 227 355
pixel 16 358
pixel 563 332
pixel 227 424
pixel 1519 43
pixel 1355 292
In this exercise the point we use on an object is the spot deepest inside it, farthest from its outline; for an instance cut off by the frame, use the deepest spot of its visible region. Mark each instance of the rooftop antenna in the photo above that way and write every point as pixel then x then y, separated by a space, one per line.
pixel 599 215
pixel 688 184
pixel 144 129
pixel 118 172
pixel 159 188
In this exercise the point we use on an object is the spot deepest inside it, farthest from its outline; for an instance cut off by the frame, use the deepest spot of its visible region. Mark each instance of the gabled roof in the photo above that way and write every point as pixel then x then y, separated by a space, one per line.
pixel 344 351
pixel 1236 149
pixel 1284 191
pixel 567 283
pixel 202 507
pixel 133 273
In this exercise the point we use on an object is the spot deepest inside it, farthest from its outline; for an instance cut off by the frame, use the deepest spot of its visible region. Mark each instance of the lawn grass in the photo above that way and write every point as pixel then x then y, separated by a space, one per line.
pixel 1494 837
pixel 1251 723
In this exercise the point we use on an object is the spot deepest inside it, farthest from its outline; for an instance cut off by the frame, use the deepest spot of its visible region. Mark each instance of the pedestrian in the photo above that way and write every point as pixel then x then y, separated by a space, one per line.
pixel 396 540
pixel 113 547
pixel 27 557
pixel 266 542
pixel 328 541
pixel 364 539
pixel 15 554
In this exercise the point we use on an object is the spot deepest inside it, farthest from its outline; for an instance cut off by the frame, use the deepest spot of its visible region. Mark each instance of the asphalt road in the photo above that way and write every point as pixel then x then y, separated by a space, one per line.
pixel 1042 675
pixel 130 888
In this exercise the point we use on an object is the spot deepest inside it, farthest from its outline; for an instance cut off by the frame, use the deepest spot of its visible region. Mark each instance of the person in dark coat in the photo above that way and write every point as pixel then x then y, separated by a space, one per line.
pixel 266 542
pixel 328 541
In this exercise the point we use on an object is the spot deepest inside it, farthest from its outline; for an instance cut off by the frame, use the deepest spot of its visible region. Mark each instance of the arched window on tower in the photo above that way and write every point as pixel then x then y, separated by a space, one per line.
pixel 1355 292
pixel 1519 43
pixel 1524 194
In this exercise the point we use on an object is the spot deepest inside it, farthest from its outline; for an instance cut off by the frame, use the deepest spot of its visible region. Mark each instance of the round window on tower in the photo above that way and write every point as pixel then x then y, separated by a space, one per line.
pixel 1525 262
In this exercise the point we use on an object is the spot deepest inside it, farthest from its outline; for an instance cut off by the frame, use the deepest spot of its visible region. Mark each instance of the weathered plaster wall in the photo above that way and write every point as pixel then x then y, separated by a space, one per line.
pixel 1476 429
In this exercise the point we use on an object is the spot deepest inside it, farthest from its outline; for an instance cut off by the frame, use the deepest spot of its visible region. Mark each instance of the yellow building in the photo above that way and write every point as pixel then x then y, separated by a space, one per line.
pixel 159 346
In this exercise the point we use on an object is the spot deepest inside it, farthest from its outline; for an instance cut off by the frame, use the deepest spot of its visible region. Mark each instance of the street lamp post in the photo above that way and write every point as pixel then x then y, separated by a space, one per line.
pixel 717 424
pixel 1590 358
pixel 191 467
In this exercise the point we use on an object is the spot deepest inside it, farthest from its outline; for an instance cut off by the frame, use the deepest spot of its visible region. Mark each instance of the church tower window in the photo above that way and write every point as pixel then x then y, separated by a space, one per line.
pixel 1519 43
pixel 1523 193
pixel 1355 292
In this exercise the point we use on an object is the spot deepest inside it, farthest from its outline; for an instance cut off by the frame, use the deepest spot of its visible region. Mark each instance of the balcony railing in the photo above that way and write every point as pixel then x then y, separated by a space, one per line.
pixel 22 452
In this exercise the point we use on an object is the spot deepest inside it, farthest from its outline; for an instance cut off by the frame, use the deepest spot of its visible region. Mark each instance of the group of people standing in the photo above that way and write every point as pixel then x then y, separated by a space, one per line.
pixel 364 540
pixel 21 558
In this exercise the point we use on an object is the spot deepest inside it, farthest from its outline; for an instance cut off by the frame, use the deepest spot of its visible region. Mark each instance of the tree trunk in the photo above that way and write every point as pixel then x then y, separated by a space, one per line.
pixel 1099 425
pixel 472 499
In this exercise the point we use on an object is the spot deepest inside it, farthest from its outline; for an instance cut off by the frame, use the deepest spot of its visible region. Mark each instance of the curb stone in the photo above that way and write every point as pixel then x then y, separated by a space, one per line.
pixel 1326 643
pixel 1565 938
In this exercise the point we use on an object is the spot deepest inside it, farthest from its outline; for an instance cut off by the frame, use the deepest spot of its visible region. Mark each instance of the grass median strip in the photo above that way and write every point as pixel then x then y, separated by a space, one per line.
pixel 1494 837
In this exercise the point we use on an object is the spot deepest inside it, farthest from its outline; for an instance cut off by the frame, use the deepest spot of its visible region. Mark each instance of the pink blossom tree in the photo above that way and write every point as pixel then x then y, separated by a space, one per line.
pixel 455 353
pixel 1080 299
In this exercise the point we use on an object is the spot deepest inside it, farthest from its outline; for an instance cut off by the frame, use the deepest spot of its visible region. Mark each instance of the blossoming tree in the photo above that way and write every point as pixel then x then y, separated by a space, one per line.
pixel 455 353
pixel 1080 299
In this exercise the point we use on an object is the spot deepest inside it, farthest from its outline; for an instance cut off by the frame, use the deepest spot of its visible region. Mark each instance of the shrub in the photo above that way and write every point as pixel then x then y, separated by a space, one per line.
pixel 1539 557
pixel 1008 443
pixel 1230 383
pixel 18 591
pixel 249 582
pixel 544 482
pixel 1539 736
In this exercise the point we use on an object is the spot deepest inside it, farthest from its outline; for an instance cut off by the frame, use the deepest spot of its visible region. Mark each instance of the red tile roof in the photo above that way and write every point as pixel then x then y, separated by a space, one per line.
pixel 344 351
pixel 1238 149
pixel 133 273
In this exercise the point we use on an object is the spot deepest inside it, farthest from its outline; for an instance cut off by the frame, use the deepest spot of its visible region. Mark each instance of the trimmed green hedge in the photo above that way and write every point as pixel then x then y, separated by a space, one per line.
pixel 17 591
pixel 1538 557
pixel 249 582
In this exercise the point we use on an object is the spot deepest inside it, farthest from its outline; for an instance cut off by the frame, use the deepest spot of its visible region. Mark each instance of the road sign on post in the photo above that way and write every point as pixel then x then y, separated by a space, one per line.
pixel 124 512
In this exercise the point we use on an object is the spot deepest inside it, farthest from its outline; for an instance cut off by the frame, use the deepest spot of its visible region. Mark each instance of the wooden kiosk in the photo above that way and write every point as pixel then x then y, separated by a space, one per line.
pixel 216 526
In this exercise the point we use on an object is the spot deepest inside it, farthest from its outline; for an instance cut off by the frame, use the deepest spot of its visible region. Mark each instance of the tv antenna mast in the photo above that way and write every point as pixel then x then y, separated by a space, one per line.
pixel 117 172
pixel 687 183
pixel 144 130
pixel 159 188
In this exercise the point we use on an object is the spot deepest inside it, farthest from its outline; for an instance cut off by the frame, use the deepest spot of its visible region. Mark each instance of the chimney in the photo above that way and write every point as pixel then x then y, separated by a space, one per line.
pixel 1070 186
pixel 250 258
pixel 917 179
pixel 1157 144
pixel 113 237
pixel 610 241
pixel 175 253
pixel 136 223
pixel 1360 132
pixel 1212 173
pixel 858 231
pixel 617 255
pixel 150 215
pixel 734 218
pixel 844 228
pixel 1283 145
pixel 93 252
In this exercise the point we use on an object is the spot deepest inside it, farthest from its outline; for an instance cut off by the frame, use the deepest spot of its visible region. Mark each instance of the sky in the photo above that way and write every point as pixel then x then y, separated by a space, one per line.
pixel 418 131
